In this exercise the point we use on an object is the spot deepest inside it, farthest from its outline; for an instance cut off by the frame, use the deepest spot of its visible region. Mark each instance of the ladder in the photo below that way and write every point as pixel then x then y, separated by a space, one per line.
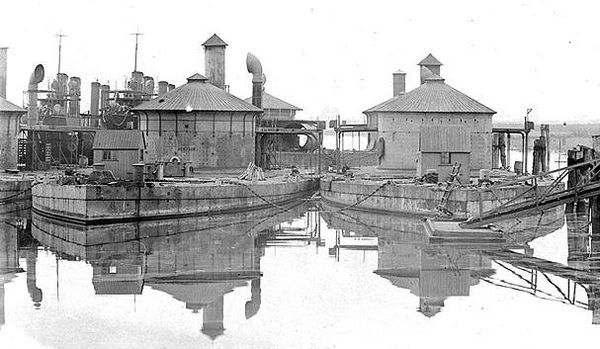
pixel 441 209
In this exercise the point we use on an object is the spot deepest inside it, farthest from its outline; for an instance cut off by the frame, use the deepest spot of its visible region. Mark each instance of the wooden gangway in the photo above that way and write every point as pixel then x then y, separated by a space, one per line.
pixel 545 266
pixel 540 198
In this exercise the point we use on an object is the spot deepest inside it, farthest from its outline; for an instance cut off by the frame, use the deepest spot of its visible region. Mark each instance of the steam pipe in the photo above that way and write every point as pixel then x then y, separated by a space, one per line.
pixel 255 68
pixel 32 111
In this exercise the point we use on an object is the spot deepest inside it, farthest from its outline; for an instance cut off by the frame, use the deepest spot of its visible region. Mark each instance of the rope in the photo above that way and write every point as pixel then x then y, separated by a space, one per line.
pixel 279 207
pixel 363 199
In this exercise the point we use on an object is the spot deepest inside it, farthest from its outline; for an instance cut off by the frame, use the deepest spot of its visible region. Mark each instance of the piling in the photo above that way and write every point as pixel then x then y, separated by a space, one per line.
pixel 539 156
pixel 545 133
pixel 495 150
pixel 595 201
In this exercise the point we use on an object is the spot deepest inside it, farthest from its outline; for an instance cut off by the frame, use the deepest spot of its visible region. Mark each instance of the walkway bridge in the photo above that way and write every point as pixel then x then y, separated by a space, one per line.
pixel 540 198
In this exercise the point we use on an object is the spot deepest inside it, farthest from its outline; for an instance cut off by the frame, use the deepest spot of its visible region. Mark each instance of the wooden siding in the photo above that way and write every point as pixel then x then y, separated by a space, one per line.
pixel 122 164
pixel 445 139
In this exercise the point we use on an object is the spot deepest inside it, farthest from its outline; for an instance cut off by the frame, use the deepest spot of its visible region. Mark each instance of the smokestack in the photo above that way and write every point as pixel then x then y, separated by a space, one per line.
pixel 430 67
pixel 95 99
pixel 149 85
pixel 104 90
pixel 32 111
pixel 3 63
pixel 399 81
pixel 214 60
pixel 60 84
pixel 171 88
pixel 74 93
pixel 255 68
pixel 163 87
pixel 137 81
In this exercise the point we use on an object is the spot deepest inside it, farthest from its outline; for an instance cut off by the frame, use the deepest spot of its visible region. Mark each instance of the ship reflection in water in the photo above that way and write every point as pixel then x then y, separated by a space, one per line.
pixel 310 276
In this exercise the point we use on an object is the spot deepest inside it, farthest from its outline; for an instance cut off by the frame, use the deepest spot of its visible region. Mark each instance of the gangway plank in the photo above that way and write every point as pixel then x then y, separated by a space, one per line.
pixel 544 198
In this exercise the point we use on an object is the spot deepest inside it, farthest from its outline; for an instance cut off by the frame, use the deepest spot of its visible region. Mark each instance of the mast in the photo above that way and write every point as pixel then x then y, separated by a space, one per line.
pixel 60 36
pixel 137 34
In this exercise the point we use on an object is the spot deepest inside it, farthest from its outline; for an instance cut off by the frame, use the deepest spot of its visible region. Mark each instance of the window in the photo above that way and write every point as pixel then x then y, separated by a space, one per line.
pixel 141 154
pixel 445 158
pixel 108 155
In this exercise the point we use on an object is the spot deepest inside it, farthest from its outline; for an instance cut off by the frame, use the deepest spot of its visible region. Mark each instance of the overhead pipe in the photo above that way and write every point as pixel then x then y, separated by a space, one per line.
pixel 258 78
pixel 32 111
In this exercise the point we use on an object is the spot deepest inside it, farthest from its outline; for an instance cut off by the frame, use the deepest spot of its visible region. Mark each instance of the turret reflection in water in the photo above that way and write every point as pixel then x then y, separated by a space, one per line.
pixel 432 271
pixel 196 260
pixel 408 260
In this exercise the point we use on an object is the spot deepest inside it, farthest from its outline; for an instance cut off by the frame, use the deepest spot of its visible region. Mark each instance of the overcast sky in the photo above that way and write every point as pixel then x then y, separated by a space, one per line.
pixel 327 57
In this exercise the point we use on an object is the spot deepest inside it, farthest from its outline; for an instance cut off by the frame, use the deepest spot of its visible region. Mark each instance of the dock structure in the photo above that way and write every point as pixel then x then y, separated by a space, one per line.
pixel 538 199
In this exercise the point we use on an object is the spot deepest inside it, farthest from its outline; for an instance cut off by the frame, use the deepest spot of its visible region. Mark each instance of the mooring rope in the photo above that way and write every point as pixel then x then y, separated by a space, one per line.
pixel 363 199
pixel 279 207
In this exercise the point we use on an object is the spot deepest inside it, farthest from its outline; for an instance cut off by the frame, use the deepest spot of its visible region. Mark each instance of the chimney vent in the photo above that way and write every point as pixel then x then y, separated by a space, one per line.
pixel 399 81
pixel 214 60
pixel 430 66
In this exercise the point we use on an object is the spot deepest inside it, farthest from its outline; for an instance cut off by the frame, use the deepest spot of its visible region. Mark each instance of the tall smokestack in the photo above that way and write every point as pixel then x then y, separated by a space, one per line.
pixel 137 81
pixel 60 84
pixel 399 81
pixel 430 67
pixel 95 99
pixel 214 60
pixel 163 87
pixel 32 111
pixel 74 93
pixel 149 85
pixel 104 91
pixel 3 63
pixel 258 78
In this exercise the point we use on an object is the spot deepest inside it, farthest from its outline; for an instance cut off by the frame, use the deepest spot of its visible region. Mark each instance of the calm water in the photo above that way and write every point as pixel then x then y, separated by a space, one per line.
pixel 308 277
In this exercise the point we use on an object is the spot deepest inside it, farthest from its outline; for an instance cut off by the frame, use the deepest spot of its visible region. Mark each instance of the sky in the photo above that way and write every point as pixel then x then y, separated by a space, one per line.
pixel 327 57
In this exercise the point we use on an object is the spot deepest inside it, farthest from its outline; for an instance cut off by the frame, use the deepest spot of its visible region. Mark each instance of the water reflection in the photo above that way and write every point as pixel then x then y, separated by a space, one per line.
pixel 11 228
pixel 201 264
pixel 435 270
pixel 197 260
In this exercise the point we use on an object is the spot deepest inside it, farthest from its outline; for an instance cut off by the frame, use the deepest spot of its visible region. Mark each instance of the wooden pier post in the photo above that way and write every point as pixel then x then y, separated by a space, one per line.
pixel 539 156
pixel 595 201
pixel 508 163
pixel 545 131
pixel 495 150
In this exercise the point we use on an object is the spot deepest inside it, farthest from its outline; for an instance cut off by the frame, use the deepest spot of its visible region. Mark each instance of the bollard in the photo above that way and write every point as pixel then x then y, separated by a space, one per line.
pixel 187 169
pixel 484 174
pixel 518 167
